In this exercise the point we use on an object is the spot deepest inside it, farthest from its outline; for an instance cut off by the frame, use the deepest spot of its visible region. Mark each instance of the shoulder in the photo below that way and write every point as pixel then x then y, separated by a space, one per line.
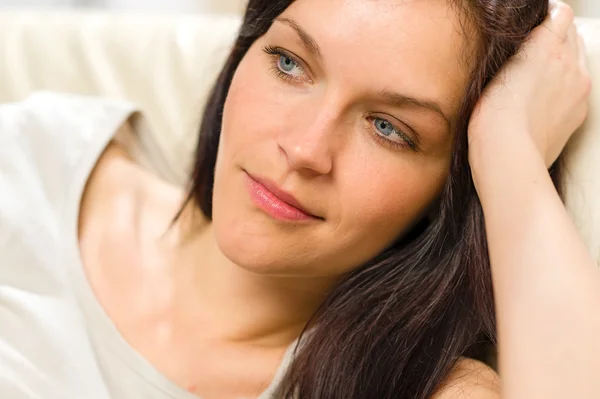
pixel 50 126
pixel 53 131
pixel 48 145
pixel 470 379
pixel 112 181
pixel 46 113
pixel 50 139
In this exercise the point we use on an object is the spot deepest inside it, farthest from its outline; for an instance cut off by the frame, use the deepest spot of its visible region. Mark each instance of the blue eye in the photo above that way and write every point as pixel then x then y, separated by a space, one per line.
pixel 286 64
pixel 384 127
pixel 387 133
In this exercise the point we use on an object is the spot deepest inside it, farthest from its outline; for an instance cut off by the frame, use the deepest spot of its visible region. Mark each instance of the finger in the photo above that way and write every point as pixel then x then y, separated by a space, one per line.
pixel 560 20
pixel 572 41
pixel 582 53
pixel 571 37
pixel 583 66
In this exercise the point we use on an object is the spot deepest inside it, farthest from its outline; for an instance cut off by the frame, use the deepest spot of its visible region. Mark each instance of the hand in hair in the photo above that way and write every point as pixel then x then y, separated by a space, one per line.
pixel 542 91
pixel 546 284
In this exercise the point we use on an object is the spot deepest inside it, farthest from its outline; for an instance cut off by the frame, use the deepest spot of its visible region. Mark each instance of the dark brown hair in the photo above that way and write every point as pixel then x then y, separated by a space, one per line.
pixel 395 326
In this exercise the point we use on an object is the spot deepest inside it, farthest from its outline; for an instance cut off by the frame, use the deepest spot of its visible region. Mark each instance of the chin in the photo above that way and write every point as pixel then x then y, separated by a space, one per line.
pixel 259 248
pixel 252 249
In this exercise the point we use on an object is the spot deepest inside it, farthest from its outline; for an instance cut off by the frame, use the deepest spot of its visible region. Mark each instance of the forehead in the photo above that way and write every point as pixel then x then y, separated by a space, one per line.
pixel 418 46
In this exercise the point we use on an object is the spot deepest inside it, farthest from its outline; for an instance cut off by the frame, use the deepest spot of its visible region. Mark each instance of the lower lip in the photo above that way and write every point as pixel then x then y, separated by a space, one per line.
pixel 268 202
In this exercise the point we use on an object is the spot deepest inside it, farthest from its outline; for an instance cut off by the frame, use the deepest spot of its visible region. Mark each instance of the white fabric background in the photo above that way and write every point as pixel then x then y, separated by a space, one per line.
pixel 220 6
pixel 584 8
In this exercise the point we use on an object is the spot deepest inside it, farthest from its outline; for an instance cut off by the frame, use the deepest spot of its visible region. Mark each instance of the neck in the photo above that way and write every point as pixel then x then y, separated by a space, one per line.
pixel 241 305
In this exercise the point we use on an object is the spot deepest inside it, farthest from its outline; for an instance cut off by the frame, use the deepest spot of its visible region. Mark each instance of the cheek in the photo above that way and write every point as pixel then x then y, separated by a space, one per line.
pixel 257 106
pixel 245 104
pixel 375 195
pixel 383 203
pixel 245 115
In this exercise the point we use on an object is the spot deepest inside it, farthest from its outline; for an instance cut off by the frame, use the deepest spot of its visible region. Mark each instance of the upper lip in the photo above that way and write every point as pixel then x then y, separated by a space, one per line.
pixel 282 194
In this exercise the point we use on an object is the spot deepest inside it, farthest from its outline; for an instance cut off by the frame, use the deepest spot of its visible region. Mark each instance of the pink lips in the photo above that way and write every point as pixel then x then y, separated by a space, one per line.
pixel 275 202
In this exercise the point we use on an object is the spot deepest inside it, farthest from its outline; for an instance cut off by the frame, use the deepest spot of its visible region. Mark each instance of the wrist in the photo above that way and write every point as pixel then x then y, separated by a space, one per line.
pixel 505 154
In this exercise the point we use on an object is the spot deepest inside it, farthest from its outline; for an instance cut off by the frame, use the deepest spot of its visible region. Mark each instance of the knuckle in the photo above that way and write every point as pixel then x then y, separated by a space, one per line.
pixel 566 11
pixel 561 55
pixel 584 113
pixel 581 43
pixel 586 82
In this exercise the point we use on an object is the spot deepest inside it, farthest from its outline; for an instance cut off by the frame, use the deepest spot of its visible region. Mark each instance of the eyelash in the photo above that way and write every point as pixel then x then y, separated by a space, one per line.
pixel 406 140
pixel 276 52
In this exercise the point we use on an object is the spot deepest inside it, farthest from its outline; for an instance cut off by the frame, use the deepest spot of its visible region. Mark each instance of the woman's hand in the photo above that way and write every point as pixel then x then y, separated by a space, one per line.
pixel 546 284
pixel 541 93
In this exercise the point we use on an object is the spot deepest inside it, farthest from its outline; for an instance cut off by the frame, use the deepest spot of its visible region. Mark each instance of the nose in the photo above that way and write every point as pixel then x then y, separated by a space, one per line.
pixel 309 147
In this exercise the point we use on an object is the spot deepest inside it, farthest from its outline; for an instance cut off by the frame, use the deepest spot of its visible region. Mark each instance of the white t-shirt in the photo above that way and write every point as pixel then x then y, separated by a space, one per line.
pixel 56 341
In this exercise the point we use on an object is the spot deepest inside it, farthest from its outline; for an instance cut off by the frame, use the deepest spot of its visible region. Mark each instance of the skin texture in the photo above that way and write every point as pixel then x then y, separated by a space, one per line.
pixel 470 379
pixel 314 138
pixel 259 279
pixel 543 274
pixel 203 296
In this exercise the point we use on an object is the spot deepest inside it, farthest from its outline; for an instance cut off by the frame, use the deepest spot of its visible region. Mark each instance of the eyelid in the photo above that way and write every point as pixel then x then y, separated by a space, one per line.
pixel 409 141
pixel 277 50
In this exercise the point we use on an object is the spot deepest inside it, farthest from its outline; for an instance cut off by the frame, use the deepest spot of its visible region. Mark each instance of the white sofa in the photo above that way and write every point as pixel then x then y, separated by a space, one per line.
pixel 166 63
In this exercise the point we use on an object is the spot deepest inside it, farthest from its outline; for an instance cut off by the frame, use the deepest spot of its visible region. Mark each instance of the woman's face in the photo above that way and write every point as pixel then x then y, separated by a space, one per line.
pixel 347 106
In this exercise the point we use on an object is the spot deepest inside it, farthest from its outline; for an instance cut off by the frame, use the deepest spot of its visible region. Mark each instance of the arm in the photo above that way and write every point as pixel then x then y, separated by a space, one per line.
pixel 546 285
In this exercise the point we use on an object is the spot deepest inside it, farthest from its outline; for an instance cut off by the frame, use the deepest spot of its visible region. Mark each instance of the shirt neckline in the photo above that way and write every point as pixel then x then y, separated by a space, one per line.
pixel 101 327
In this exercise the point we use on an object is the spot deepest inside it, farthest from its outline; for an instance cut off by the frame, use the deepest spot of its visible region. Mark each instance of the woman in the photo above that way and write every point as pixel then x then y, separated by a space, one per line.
pixel 331 243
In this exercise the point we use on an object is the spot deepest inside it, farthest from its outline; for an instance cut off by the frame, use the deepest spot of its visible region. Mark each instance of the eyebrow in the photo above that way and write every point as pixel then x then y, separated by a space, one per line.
pixel 395 98
pixel 309 42
pixel 403 100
